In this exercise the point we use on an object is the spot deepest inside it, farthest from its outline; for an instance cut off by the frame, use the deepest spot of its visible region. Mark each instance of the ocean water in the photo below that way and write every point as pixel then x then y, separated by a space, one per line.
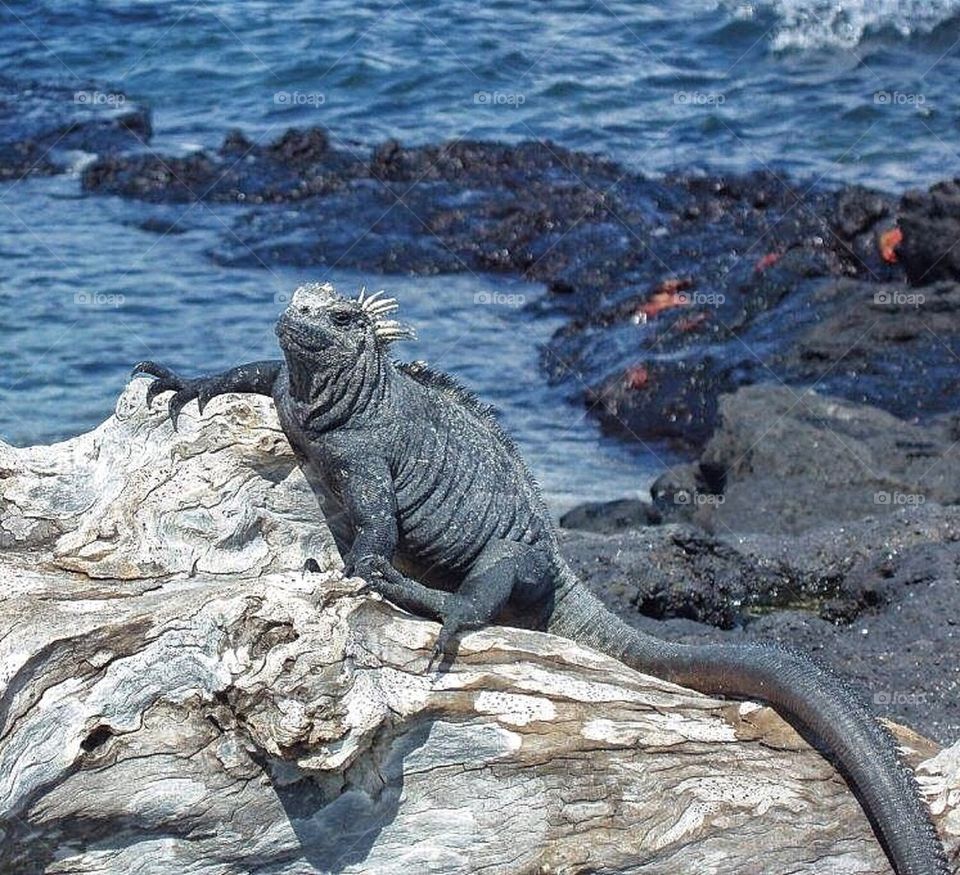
pixel 848 90
pixel 826 91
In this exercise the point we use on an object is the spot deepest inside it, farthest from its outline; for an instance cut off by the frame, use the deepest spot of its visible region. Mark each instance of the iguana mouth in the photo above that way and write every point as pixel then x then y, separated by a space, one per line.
pixel 300 338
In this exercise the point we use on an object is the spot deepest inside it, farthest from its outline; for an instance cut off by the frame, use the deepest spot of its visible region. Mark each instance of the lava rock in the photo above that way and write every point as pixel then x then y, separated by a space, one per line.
pixel 930 222
pixel 678 290
pixel 611 516
pixel 793 461
pixel 42 122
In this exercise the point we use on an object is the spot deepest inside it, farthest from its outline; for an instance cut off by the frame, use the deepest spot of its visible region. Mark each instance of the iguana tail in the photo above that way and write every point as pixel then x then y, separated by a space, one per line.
pixel 814 699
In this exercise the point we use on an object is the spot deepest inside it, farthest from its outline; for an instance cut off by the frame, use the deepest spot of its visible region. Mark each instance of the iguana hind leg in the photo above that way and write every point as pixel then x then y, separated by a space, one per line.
pixel 500 569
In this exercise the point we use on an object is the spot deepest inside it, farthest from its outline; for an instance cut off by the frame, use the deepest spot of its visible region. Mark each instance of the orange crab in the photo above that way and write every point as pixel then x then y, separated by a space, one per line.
pixel 888 243
pixel 667 295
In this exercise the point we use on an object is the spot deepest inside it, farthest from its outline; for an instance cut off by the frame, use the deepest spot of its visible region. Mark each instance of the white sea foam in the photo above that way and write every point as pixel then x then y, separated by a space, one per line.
pixel 815 24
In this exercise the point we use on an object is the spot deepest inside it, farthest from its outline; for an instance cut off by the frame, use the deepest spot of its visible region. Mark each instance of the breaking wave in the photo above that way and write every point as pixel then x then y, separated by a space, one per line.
pixel 816 24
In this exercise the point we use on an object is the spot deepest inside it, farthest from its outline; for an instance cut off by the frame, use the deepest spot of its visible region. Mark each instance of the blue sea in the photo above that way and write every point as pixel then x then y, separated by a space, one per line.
pixel 828 92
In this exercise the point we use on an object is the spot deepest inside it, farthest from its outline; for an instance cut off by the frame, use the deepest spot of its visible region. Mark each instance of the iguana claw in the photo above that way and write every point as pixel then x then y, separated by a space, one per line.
pixel 184 390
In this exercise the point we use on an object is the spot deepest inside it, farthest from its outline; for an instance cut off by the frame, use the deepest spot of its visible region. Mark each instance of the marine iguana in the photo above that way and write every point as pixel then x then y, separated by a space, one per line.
pixel 420 485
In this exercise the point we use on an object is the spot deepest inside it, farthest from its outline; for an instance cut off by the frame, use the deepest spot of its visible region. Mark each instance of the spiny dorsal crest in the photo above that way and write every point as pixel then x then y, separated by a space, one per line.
pixel 378 309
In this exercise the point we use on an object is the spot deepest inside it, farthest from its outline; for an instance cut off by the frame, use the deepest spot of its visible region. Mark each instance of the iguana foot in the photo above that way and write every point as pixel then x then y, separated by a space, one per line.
pixel 379 576
pixel 367 566
pixel 381 567
pixel 185 390
pixel 412 595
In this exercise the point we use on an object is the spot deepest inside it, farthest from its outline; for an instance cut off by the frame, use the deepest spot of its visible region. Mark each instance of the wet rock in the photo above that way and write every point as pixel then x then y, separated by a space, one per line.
pixel 680 494
pixel 299 148
pixel 886 344
pixel 489 163
pixel 139 124
pixel 174 179
pixel 158 225
pixel 747 255
pixel 236 144
pixel 611 516
pixel 674 401
pixel 678 290
pixel 297 165
pixel 25 158
pixel 930 222
pixel 683 493
pixel 40 123
pixel 859 220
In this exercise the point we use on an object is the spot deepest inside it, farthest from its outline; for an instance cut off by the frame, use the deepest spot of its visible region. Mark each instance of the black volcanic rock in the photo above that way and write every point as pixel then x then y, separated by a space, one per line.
pixel 877 599
pixel 611 516
pixel 678 290
pixel 930 222
pixel 793 461
pixel 41 122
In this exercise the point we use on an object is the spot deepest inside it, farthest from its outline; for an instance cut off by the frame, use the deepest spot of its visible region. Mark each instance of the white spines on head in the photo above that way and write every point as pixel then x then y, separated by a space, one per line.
pixel 390 330
pixel 378 308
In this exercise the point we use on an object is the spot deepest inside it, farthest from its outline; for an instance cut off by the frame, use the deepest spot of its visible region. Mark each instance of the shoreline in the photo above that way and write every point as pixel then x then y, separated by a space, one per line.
pixel 675 290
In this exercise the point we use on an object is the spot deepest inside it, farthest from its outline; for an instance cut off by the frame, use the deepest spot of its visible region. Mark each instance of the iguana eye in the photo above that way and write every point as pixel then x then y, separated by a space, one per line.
pixel 341 318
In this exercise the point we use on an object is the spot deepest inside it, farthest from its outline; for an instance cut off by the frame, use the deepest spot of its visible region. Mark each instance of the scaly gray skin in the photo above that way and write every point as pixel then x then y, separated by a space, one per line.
pixel 418 481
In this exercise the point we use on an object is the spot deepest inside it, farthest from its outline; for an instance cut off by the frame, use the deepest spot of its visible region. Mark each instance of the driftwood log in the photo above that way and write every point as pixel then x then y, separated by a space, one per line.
pixel 177 696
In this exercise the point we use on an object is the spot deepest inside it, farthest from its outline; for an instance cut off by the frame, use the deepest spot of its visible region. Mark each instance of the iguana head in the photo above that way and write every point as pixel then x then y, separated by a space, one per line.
pixel 322 330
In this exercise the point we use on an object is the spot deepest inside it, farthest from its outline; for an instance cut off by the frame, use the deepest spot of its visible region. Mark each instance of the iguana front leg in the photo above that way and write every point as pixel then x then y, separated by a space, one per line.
pixel 368 498
pixel 255 377
pixel 406 593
